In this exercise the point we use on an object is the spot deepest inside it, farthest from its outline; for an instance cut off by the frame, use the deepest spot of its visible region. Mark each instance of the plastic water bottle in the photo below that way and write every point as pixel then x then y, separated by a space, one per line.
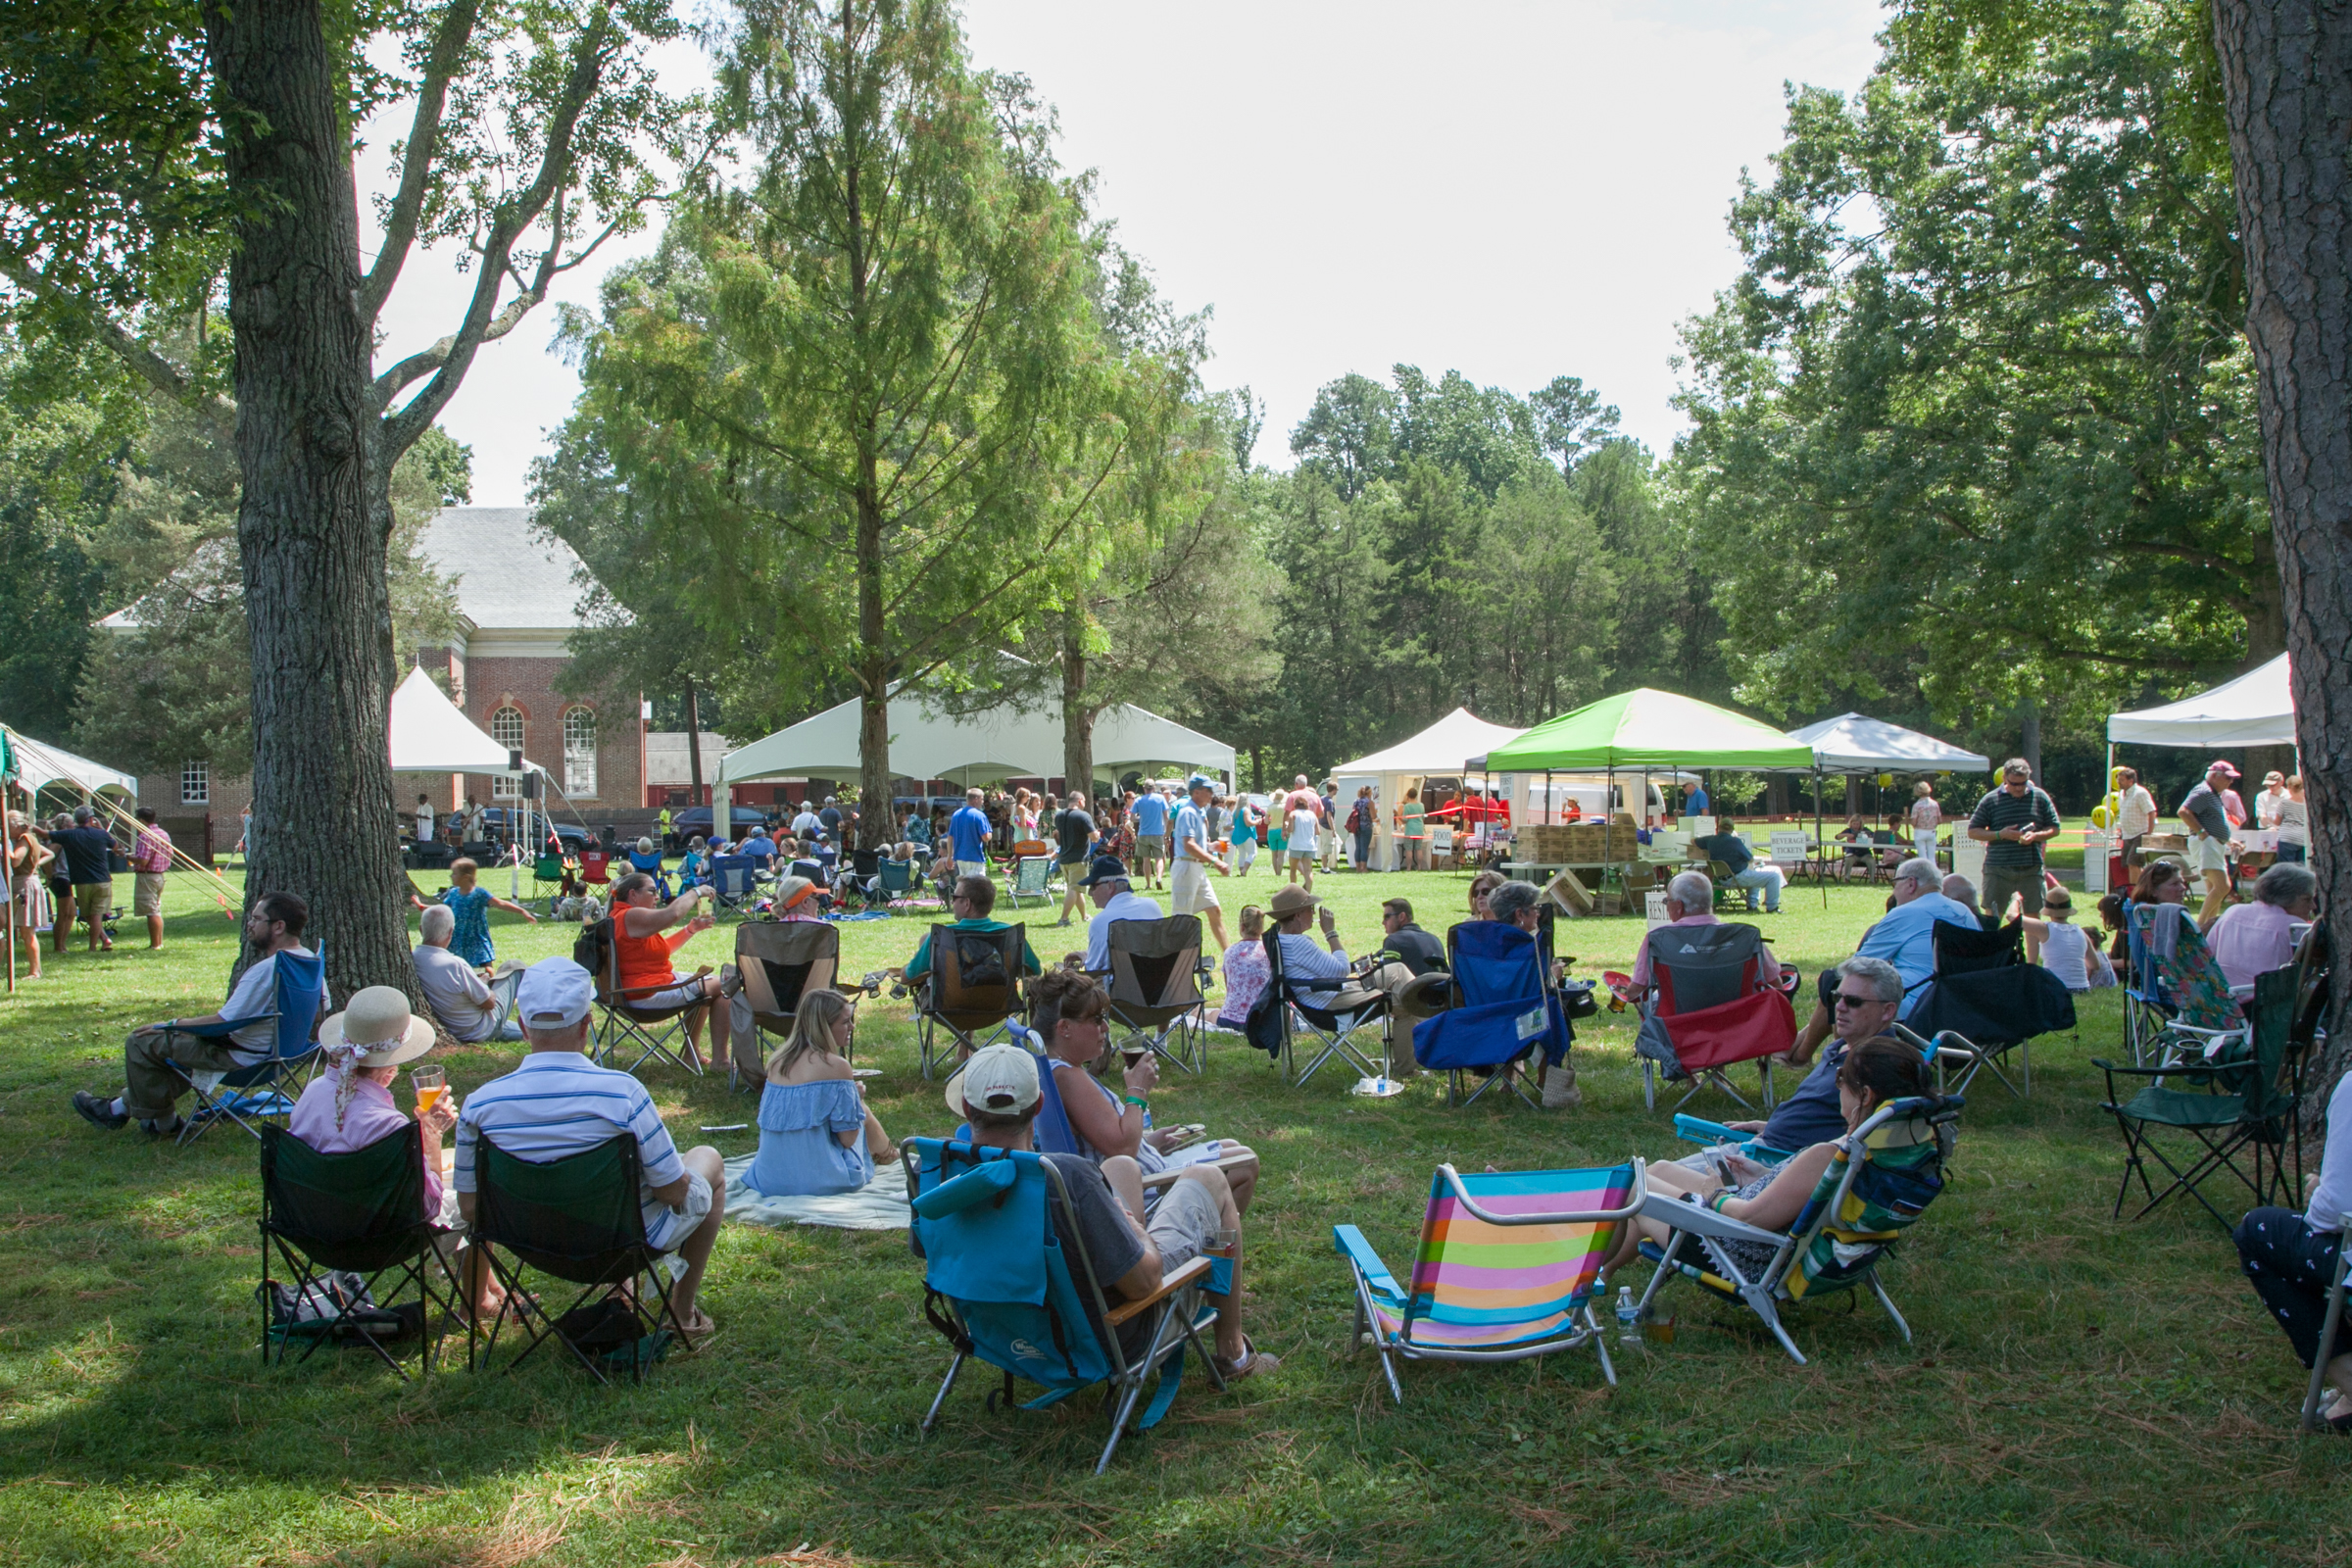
pixel 1629 1318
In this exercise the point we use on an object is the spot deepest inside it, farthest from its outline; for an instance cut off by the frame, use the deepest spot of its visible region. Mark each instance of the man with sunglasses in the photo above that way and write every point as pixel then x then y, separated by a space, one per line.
pixel 1864 998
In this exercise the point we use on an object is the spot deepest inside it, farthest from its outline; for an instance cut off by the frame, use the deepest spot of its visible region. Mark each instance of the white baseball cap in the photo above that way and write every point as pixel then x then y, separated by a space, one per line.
pixel 1001 1079
pixel 554 994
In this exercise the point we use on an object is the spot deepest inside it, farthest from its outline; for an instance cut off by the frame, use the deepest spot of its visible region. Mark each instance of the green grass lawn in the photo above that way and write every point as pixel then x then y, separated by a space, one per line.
pixel 2080 1391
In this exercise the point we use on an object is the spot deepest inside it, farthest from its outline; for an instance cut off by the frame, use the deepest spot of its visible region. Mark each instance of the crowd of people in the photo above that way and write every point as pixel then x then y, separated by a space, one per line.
pixel 1148 1198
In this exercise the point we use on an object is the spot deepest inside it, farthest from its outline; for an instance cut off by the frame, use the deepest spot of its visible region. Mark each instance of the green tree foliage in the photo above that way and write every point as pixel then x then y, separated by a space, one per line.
pixel 1975 428
pixel 174 682
pixel 868 379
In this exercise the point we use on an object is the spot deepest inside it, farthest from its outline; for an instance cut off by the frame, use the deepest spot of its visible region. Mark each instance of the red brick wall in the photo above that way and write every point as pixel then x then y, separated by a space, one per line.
pixel 528 684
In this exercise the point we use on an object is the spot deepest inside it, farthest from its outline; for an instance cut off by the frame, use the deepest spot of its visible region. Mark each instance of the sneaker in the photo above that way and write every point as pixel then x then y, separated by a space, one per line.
pixel 98 1112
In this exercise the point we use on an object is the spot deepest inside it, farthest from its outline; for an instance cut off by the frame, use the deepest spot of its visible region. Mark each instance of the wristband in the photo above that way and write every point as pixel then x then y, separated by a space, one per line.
pixel 1716 1202
pixel 1132 1101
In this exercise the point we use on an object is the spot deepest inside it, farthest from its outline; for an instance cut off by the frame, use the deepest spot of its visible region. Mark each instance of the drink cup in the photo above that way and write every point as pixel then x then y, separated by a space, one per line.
pixel 430 1084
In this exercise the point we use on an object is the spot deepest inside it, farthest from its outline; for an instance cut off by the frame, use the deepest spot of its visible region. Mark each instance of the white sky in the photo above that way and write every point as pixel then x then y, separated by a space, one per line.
pixel 1516 189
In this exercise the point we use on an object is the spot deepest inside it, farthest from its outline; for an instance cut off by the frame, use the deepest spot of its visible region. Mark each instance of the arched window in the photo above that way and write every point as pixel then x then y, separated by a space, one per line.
pixel 579 752
pixel 506 728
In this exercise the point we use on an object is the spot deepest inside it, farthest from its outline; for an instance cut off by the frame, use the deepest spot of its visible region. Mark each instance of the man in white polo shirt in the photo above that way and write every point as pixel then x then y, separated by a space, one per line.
pixel 1190 892
pixel 1115 899
pixel 558 1103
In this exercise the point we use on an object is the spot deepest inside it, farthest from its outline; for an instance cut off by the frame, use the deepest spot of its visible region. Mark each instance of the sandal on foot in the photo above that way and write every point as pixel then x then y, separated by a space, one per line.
pixel 700 1328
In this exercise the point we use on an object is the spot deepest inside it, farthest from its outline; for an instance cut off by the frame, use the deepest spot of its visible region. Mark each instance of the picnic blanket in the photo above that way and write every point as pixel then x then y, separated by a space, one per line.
pixel 879 1205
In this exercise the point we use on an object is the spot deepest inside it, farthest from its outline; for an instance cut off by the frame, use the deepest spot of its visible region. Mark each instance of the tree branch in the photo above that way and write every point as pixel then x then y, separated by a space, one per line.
pixel 416 163
pixel 150 366
pixel 513 219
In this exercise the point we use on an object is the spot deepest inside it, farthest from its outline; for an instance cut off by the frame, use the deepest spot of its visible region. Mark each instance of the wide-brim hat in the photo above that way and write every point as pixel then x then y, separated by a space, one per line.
pixel 1289 900
pixel 379 1019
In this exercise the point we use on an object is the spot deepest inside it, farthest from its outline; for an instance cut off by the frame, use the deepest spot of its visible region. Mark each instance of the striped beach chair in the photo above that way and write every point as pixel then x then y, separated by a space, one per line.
pixel 1883 1177
pixel 1509 1267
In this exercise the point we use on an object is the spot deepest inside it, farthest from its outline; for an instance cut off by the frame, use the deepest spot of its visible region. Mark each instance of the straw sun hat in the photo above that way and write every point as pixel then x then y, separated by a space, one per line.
pixel 378 1024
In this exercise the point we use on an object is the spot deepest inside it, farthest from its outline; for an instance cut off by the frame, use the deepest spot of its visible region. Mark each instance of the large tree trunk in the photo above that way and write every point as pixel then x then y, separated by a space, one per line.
pixel 1077 714
pixel 2286 79
pixel 312 546
pixel 693 743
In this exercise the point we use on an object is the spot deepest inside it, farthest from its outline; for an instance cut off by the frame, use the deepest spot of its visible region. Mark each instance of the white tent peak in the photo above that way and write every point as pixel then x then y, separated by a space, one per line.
pixel 1437 750
pixel 429 735
pixel 1852 743
pixel 2257 709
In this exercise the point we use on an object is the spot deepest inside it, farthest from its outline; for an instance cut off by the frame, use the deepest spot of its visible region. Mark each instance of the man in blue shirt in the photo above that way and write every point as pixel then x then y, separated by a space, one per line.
pixel 1735 854
pixel 762 849
pixel 1150 835
pixel 1695 801
pixel 967 835
pixel 1905 938
pixel 1864 994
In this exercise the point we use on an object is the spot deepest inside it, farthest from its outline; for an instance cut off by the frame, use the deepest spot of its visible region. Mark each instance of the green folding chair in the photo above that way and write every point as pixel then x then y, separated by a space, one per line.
pixel 578 1219
pixel 361 1212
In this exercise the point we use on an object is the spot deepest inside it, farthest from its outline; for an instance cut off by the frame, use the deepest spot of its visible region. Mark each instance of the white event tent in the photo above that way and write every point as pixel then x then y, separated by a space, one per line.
pixel 428 734
pixel 1851 743
pixel 974 748
pixel 41 765
pixel 1436 753
pixel 2258 709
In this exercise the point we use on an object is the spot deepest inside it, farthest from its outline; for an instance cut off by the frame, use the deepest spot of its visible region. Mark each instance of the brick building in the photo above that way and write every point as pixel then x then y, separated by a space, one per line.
pixel 517 598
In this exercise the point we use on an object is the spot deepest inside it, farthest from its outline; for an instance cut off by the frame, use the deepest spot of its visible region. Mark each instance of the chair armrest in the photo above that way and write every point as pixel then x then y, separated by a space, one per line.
pixel 1680 1214
pixel 1347 1240
pixel 1188 1274
pixel 2182 1069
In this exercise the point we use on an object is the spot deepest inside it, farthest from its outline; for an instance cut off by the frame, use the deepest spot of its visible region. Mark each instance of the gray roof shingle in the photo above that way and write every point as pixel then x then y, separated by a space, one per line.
pixel 510 576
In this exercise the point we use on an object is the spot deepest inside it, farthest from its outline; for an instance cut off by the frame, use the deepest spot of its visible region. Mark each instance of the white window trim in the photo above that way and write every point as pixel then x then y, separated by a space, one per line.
pixel 579 764
pixel 504 787
pixel 200 774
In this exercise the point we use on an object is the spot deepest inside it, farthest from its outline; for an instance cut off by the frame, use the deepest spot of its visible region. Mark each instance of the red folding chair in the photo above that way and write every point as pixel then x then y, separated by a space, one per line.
pixel 595 867
pixel 1711 1007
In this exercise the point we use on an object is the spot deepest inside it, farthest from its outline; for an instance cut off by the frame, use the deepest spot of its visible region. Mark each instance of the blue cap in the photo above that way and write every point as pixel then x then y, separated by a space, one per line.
pixel 1199 781
pixel 1106 868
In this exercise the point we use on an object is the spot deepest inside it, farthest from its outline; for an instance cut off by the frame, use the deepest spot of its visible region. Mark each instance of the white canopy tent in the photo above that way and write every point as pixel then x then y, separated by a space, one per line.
pixel 971 749
pixel 429 734
pixel 41 765
pixel 1436 753
pixel 2258 709
pixel 1853 744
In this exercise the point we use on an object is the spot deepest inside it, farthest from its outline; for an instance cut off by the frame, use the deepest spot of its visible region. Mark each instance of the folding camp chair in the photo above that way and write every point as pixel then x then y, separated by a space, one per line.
pixel 547 879
pixel 1710 1006
pixel 1984 1001
pixel 1283 1004
pixel 733 879
pixel 1029 874
pixel 596 868
pixel 1881 1178
pixel 580 1219
pixel 895 883
pixel 2329 1327
pixel 650 865
pixel 1003 1256
pixel 257 1094
pixel 779 961
pixel 363 1212
pixel 626 1020
pixel 1505 1011
pixel 1155 987
pixel 974 989
pixel 1509 1267
pixel 2240 1102
pixel 2177 1001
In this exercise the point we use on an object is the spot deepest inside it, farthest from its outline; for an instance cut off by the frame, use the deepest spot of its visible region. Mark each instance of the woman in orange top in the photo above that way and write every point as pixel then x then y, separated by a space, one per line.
pixel 644 939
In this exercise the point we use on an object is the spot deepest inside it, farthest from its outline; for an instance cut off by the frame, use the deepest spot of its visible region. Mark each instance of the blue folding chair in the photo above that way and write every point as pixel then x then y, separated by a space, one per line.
pixel 1508 1010
pixel 1003 1256
pixel 650 865
pixel 256 1094
pixel 732 878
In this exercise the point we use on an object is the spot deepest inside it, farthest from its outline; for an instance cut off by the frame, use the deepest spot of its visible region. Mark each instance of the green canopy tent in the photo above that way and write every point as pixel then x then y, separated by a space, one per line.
pixel 1649 730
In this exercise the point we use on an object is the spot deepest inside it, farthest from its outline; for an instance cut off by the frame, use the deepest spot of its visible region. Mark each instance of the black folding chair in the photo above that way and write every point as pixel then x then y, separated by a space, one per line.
pixel 1985 1000
pixel 779 961
pixel 1334 1029
pixel 1155 987
pixel 972 993
pixel 361 1212
pixel 628 1021
pixel 579 1219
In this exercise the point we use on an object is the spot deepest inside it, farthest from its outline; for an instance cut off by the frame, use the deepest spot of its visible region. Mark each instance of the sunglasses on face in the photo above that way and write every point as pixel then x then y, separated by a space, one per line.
pixel 1846 999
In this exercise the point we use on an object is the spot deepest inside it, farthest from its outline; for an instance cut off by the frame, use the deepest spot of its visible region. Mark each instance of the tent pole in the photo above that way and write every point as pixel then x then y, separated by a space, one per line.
pixel 1821 873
